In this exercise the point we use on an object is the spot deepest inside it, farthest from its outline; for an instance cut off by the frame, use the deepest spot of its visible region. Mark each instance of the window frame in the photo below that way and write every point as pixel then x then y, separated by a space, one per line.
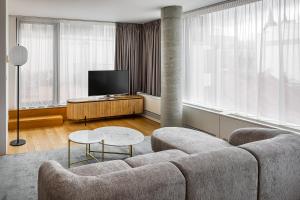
pixel 55 24
pixel 56 49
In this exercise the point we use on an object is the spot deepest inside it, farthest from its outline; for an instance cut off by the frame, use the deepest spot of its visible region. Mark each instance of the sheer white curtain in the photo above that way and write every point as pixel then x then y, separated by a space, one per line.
pixel 36 77
pixel 83 46
pixel 246 60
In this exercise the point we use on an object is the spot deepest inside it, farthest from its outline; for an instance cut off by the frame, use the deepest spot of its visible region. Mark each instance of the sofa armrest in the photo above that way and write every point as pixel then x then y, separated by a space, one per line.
pixel 151 182
pixel 247 135
pixel 279 166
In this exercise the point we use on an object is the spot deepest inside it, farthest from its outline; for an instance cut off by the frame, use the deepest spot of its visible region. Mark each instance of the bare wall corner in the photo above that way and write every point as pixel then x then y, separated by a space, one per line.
pixel 3 76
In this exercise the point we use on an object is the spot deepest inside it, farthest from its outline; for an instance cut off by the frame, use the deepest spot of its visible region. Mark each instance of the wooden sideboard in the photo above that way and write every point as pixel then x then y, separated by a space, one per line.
pixel 92 108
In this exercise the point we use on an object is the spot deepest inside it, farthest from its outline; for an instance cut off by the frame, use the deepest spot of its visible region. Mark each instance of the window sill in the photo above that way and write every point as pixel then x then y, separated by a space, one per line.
pixel 39 107
pixel 244 118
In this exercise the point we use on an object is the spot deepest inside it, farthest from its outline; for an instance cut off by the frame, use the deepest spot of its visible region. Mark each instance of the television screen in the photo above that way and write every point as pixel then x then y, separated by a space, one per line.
pixel 108 82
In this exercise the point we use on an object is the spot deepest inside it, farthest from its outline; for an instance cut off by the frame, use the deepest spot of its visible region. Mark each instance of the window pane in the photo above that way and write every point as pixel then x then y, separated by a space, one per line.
pixel 36 77
pixel 245 60
pixel 83 46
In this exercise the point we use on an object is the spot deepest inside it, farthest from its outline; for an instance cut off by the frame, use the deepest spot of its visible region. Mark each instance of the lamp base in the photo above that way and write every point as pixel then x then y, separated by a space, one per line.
pixel 19 142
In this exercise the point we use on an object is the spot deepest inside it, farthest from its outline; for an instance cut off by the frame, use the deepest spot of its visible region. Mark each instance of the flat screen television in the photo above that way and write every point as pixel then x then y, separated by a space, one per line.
pixel 108 82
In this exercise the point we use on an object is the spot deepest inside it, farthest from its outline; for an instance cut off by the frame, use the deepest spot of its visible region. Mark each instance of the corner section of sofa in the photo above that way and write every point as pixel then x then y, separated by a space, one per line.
pixel 228 174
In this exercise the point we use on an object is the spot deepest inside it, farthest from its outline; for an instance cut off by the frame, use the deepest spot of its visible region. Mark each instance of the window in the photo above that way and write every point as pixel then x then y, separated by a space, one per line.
pixel 60 56
pixel 37 75
pixel 83 47
pixel 245 60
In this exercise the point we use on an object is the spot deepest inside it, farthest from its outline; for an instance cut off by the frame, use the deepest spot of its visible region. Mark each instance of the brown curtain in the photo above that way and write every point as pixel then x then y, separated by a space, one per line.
pixel 129 52
pixel 150 81
pixel 138 50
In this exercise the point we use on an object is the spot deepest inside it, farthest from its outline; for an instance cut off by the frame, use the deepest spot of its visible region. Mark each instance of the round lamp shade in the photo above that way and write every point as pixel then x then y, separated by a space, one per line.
pixel 18 55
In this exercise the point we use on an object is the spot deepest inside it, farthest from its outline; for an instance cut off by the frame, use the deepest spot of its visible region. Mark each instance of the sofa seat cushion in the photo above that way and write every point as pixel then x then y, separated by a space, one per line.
pixel 97 169
pixel 184 139
pixel 153 158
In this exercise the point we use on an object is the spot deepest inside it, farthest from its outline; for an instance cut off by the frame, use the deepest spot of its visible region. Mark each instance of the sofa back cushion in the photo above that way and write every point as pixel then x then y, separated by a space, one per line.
pixel 151 182
pixel 279 167
pixel 246 135
pixel 187 140
pixel 227 174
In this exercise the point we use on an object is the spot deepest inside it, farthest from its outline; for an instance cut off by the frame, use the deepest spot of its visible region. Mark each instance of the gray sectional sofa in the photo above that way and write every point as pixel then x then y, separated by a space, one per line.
pixel 256 164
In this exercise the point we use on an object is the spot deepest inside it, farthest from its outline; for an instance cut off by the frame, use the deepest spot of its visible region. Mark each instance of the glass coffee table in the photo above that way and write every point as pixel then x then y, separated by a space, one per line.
pixel 110 135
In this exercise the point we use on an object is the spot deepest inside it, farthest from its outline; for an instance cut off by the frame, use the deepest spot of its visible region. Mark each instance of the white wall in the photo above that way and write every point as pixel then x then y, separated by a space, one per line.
pixel 3 79
pixel 201 119
pixel 214 122
pixel 151 107
pixel 12 70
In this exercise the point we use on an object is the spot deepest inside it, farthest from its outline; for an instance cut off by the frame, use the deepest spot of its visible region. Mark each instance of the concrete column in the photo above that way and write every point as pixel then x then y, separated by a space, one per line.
pixel 171 66
pixel 3 75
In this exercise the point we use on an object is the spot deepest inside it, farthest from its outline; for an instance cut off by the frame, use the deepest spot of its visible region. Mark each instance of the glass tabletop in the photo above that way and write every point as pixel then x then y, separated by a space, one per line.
pixel 84 137
pixel 119 136
pixel 112 135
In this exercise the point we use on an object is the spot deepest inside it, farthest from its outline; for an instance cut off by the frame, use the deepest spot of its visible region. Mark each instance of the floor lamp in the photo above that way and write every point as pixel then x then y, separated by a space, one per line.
pixel 18 56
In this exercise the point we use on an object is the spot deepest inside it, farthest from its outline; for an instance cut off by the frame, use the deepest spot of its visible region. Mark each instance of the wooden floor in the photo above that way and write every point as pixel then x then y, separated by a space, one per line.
pixel 43 139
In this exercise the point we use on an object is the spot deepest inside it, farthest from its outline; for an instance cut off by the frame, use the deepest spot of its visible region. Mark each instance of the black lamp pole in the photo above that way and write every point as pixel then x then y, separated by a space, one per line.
pixel 18 141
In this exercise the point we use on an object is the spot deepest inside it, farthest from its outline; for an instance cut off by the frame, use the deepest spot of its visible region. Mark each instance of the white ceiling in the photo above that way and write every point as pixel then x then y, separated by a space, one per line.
pixel 134 11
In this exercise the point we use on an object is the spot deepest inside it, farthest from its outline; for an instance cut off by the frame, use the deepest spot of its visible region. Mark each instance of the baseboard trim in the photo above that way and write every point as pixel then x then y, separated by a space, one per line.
pixel 152 116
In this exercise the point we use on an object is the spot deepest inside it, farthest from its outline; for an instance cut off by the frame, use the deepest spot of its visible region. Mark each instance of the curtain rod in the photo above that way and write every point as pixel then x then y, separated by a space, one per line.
pixel 75 20
pixel 219 6
pixel 57 19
